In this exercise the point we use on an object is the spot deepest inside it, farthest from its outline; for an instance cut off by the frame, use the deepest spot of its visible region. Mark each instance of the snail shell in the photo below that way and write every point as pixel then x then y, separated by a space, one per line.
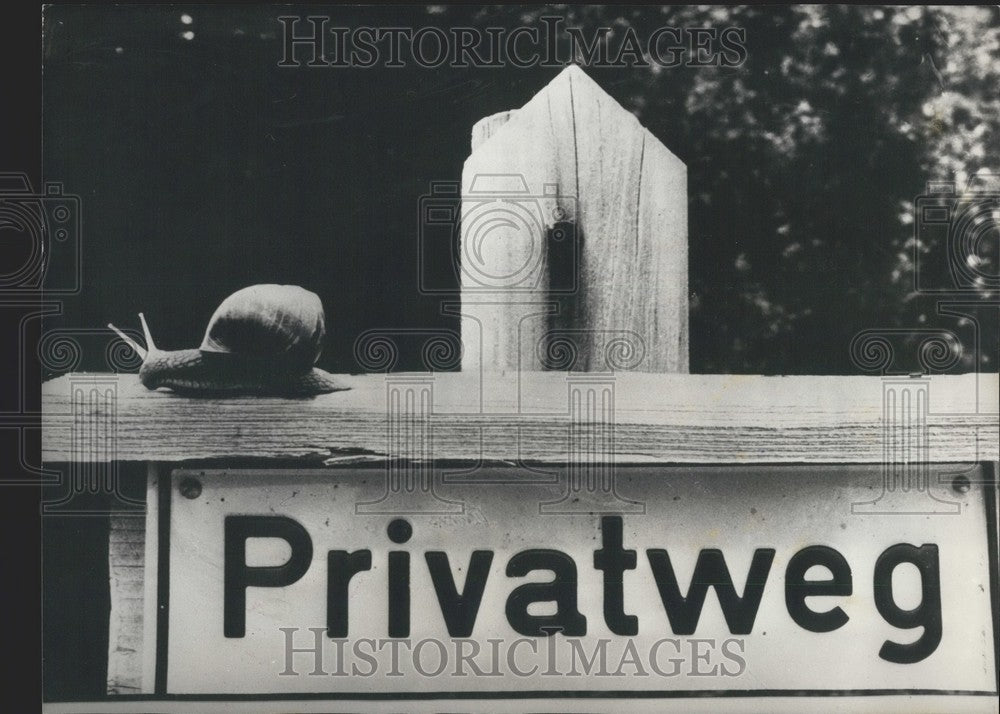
pixel 263 339
pixel 281 323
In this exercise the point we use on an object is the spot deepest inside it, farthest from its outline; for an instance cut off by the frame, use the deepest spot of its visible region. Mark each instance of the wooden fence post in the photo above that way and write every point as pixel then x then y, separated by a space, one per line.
pixel 574 238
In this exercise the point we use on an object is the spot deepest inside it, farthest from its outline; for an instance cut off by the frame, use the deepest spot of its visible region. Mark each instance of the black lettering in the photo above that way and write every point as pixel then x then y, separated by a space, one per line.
pixel 341 566
pixel 614 561
pixel 238 576
pixel 399 531
pixel 797 588
pixel 399 593
pixel 459 609
pixel 561 590
pixel 927 614
pixel 711 571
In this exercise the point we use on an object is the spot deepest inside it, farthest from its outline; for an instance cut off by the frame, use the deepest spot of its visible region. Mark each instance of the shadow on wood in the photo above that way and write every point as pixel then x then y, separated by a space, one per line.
pixel 574 239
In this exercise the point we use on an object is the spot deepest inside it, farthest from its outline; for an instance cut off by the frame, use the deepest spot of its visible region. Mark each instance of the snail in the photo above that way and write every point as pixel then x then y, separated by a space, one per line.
pixel 263 339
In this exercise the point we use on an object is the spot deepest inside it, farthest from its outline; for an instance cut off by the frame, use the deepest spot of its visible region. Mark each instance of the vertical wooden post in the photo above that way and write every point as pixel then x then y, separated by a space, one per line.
pixel 574 257
pixel 488 126
pixel 574 238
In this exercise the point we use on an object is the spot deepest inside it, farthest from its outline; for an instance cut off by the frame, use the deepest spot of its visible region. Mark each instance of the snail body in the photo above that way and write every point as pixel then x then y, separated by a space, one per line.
pixel 263 339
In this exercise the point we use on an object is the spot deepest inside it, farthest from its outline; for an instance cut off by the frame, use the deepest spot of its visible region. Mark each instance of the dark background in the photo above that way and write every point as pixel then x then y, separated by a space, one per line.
pixel 203 166
pixel 20 542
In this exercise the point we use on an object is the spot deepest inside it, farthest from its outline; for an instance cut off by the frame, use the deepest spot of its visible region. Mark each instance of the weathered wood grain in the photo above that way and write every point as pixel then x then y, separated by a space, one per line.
pixel 132 545
pixel 488 126
pixel 608 293
pixel 126 556
pixel 657 418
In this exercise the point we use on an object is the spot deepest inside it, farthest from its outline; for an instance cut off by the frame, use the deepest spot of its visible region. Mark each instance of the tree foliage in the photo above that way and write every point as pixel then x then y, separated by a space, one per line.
pixel 805 166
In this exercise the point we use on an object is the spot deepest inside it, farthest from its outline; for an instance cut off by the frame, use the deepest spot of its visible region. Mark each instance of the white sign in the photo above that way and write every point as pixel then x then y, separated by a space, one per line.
pixel 659 582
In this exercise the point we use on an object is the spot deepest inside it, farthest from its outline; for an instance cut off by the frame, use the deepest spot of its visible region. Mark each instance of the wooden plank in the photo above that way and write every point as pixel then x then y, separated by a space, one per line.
pixel 657 418
pixel 608 293
pixel 127 558
pixel 132 545
pixel 151 581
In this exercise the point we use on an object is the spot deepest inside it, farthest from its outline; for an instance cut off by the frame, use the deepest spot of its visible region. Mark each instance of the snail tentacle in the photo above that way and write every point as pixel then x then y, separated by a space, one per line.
pixel 150 345
pixel 128 340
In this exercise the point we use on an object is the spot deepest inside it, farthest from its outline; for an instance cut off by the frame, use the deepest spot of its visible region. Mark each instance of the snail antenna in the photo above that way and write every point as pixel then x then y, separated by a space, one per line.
pixel 145 331
pixel 131 343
